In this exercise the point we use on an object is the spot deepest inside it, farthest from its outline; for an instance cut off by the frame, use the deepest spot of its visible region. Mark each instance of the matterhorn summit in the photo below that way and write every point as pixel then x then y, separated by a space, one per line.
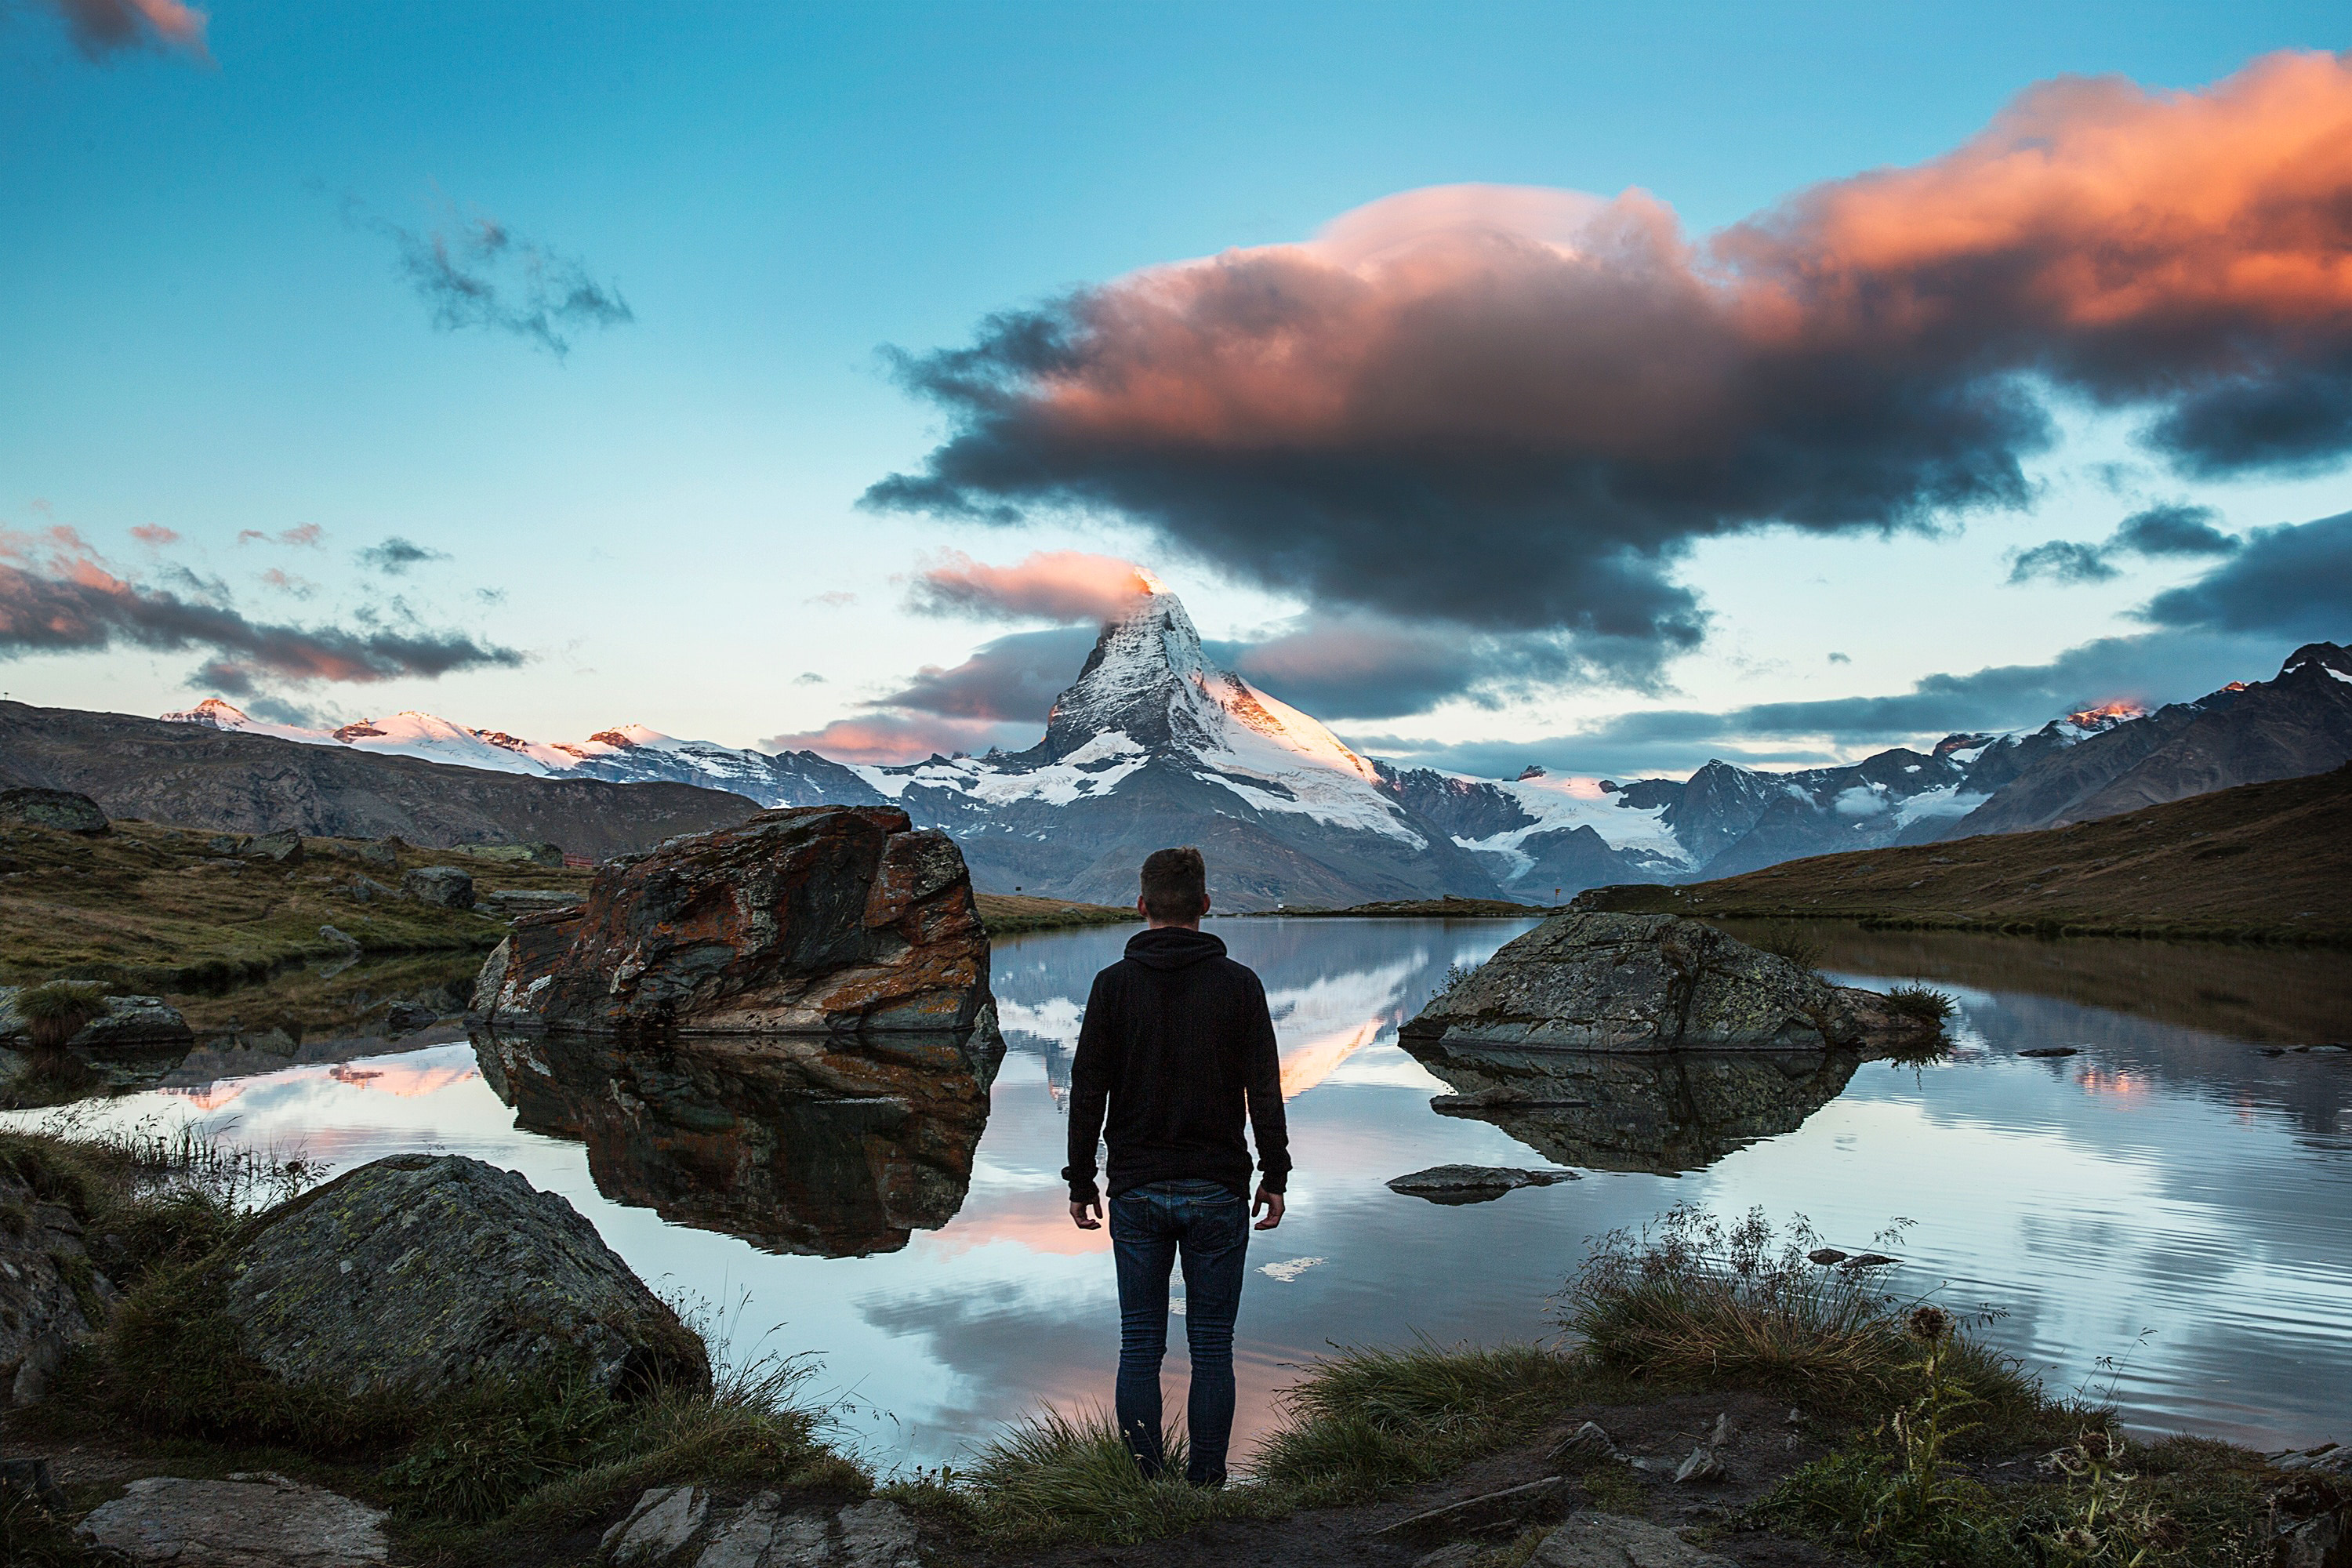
pixel 1153 745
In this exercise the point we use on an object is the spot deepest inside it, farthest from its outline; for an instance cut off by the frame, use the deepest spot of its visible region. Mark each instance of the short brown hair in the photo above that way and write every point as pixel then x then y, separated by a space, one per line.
pixel 1174 883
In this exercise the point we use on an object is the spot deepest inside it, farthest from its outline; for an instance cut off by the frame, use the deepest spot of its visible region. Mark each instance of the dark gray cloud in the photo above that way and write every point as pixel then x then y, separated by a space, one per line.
pixel 2153 667
pixel 2293 581
pixel 477 272
pixel 2175 527
pixel 2062 561
pixel 1013 679
pixel 101 28
pixel 1364 665
pixel 56 596
pixel 395 555
pixel 1519 409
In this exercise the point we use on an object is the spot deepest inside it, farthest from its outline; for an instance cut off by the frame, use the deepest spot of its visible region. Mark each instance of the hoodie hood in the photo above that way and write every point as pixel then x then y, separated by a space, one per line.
pixel 1173 947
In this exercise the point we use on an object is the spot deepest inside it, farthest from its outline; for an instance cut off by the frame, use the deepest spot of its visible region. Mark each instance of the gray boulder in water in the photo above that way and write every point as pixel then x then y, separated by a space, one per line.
pixel 1643 982
pixel 432 1272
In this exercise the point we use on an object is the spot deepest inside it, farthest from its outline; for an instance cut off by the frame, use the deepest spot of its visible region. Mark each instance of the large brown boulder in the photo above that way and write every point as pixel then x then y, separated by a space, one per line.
pixel 823 920
pixel 1645 983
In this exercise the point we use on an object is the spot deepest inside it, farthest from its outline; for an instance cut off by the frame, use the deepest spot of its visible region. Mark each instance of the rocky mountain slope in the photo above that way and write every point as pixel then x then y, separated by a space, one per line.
pixel 2272 861
pixel 198 775
pixel 1546 837
pixel 1152 745
pixel 631 753
pixel 2298 724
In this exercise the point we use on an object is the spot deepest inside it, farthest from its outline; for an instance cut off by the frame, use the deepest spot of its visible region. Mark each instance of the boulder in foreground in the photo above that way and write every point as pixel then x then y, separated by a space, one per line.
pixel 813 921
pixel 430 1273
pixel 1584 981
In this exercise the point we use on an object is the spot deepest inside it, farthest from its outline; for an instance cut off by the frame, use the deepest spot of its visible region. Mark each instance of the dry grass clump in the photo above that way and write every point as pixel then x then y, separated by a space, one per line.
pixel 1358 1424
pixel 1368 1419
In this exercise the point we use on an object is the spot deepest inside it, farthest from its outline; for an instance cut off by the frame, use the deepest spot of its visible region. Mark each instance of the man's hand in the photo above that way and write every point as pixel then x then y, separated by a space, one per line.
pixel 1272 1204
pixel 1087 1215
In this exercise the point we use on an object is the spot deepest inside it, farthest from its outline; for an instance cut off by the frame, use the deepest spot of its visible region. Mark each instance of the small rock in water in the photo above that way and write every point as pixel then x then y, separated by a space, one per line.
pixel 1871 1260
pixel 1826 1255
pixel 2051 1051
pixel 245 1520
pixel 340 939
pixel 1702 1466
pixel 1474 1183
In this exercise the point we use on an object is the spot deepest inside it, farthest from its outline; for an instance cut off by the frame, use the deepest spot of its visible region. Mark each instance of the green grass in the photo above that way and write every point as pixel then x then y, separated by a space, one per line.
pixel 1361 1424
pixel 465 1476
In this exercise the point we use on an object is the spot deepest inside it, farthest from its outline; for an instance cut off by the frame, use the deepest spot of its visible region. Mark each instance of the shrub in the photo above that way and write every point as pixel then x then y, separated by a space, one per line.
pixel 1787 939
pixel 1455 974
pixel 1701 1299
pixel 55 1013
pixel 1924 1003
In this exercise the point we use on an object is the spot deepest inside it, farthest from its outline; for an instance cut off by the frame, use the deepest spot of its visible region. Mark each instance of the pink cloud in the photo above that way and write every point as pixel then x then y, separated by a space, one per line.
pixel 100 27
pixel 1572 384
pixel 154 534
pixel 887 737
pixel 1055 585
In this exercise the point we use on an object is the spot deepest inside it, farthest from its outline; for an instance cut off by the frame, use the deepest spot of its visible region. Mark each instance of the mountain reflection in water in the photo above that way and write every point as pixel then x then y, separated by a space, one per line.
pixel 832 1146
pixel 2175 1175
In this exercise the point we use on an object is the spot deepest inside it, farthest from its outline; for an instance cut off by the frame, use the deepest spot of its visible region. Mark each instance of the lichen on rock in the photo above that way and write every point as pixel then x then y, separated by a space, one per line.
pixel 1583 982
pixel 429 1273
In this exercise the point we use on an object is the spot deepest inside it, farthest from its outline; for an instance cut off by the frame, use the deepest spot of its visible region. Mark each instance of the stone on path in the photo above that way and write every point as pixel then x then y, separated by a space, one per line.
pixel 664 1520
pixel 252 1521
pixel 1612 1540
pixel 432 1272
pixel 675 1527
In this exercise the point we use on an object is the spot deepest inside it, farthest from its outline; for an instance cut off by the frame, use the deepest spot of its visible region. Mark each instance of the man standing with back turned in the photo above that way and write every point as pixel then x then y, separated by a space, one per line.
pixel 1178 1047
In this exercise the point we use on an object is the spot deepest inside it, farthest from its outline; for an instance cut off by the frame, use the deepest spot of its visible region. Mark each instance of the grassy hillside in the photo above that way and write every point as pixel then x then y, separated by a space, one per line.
pixel 1010 914
pixel 166 909
pixel 2269 862
pixel 1448 908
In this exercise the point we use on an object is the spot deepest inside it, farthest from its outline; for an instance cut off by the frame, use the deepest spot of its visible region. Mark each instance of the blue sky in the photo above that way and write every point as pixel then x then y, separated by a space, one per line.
pixel 209 331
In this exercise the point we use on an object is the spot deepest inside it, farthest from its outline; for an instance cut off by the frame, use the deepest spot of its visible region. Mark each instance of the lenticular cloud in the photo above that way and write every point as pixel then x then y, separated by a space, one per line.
pixel 1518 407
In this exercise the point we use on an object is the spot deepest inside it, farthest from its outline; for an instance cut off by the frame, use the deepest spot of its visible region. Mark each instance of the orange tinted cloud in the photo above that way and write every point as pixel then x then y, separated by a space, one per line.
pixel 100 27
pixel 1451 376
pixel 1055 585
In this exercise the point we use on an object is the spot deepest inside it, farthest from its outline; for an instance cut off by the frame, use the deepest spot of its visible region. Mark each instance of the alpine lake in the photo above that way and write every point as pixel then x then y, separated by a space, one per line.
pixel 2162 1217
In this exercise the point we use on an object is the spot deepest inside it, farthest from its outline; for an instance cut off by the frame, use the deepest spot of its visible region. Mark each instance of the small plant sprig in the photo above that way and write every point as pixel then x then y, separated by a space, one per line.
pixel 1456 974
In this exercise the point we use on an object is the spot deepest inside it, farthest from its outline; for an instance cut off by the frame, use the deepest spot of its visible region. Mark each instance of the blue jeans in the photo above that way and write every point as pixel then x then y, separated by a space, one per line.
pixel 1207 1225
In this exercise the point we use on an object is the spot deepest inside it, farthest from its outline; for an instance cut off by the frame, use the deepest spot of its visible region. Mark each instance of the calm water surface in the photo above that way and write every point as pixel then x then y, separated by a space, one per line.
pixel 2178 1195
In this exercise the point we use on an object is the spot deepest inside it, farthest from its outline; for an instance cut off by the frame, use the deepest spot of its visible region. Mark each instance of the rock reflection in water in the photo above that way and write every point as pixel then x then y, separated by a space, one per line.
pixel 836 1146
pixel 1660 1112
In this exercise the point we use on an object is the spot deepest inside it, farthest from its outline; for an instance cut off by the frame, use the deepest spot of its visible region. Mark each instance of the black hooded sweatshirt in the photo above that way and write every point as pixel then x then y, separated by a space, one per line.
pixel 1177 1044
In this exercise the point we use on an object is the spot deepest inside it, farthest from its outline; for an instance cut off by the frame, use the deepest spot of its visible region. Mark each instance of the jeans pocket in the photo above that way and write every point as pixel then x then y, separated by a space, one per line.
pixel 1212 1225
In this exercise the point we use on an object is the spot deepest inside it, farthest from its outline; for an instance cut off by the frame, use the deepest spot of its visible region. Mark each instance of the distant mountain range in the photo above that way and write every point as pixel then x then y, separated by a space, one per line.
pixel 1152 745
